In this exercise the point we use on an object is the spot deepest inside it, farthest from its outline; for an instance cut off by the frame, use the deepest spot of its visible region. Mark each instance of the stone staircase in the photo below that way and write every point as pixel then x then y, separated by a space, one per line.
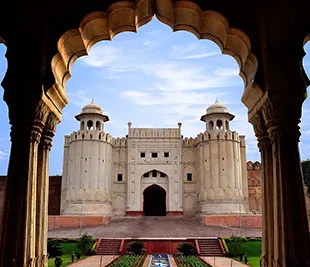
pixel 108 247
pixel 210 247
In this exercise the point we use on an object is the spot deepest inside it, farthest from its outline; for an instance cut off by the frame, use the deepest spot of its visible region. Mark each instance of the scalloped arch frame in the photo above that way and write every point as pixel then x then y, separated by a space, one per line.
pixel 128 16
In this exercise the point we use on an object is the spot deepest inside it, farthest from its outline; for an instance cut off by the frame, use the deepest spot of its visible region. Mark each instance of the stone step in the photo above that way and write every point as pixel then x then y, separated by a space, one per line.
pixel 108 247
pixel 210 247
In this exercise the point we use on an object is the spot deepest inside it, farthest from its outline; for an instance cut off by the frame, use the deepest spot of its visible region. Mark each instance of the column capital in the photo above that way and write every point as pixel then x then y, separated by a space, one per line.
pixel 259 126
pixel 49 130
pixel 31 122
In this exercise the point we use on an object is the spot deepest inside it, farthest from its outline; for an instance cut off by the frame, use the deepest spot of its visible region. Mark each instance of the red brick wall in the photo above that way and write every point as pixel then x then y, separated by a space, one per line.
pixel 160 246
pixel 248 221
pixel 54 195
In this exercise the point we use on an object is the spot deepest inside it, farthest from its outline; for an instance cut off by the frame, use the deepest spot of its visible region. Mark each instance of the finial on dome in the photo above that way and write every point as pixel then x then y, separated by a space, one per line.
pixel 216 100
pixel 92 101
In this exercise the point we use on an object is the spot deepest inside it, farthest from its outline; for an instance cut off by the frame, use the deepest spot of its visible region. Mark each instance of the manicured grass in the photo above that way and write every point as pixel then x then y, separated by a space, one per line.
pixel 67 248
pixel 254 250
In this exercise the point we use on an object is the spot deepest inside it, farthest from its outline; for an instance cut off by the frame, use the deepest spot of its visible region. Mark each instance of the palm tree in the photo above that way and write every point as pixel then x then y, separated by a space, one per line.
pixel 85 244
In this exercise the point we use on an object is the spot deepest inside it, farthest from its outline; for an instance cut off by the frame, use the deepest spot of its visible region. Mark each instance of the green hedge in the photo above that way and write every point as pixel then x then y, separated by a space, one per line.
pixel 186 261
pixel 128 261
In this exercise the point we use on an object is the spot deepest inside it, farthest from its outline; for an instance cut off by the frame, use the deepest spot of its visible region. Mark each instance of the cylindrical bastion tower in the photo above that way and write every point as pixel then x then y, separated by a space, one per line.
pixel 222 180
pixel 87 168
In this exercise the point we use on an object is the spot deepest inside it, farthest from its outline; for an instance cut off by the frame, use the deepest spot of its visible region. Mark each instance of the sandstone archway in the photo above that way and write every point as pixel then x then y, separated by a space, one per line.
pixel 154 201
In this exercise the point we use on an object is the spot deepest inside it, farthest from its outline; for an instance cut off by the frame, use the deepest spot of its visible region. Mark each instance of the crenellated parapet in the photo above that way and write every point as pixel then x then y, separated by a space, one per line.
pixel 91 135
pixel 154 133
pixel 189 141
pixel 119 142
pixel 214 135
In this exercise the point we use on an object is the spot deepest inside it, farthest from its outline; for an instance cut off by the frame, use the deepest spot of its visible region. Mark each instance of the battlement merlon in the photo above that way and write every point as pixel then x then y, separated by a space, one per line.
pixel 154 132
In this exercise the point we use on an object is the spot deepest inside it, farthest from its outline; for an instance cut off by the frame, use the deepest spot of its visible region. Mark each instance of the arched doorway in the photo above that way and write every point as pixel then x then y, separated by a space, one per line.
pixel 154 201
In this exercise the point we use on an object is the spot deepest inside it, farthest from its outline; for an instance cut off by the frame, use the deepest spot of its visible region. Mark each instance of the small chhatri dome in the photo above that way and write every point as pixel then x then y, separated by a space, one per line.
pixel 92 108
pixel 217 108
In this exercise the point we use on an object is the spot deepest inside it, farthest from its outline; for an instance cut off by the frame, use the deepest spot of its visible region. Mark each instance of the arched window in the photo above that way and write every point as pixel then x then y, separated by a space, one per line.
pixel 98 126
pixel 82 125
pixel 211 125
pixel 90 125
pixel 219 124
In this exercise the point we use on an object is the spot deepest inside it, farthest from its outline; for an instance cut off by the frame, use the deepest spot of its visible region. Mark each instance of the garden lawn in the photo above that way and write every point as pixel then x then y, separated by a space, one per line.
pixel 254 250
pixel 66 257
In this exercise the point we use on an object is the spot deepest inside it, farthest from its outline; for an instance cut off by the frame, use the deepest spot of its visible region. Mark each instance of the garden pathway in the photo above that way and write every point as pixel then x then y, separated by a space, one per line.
pixel 172 261
pixel 223 262
pixel 93 261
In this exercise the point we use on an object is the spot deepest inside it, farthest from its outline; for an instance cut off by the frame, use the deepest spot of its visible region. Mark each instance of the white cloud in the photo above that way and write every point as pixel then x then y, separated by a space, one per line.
pixel 79 98
pixel 178 76
pixel 204 55
pixel 226 72
pixel 171 98
pixel 3 155
pixel 102 55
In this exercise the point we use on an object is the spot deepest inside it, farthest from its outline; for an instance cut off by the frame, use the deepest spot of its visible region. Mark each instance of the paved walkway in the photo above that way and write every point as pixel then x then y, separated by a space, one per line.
pixel 159 227
pixel 93 261
pixel 172 261
pixel 147 260
pixel 223 262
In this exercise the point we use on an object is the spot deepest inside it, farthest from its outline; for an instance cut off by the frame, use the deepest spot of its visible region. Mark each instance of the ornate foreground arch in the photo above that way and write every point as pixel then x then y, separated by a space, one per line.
pixel 128 16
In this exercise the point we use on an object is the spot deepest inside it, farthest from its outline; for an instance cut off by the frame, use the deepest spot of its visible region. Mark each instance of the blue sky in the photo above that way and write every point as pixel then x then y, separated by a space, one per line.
pixel 153 78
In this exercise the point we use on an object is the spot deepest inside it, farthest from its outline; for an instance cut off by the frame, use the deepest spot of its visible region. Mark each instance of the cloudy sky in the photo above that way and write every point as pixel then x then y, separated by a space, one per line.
pixel 154 79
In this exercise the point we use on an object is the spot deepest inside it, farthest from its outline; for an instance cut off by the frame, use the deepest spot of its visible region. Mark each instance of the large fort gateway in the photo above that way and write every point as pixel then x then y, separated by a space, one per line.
pixel 154 171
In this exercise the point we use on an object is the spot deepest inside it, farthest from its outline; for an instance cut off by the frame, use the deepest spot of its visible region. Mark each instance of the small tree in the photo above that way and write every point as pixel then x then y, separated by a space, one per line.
pixel 187 249
pixel 136 247
pixel 85 244
pixel 53 249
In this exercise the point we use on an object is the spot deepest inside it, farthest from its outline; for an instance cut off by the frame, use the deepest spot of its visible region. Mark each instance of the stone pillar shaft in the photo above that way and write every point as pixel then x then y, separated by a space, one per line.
pixel 291 232
pixel 267 200
pixel 42 193
pixel 19 221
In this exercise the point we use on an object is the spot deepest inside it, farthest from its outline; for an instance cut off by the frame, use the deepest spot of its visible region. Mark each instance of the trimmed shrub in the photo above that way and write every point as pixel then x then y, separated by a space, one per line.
pixel 187 249
pixel 136 247
pixel 234 245
pixel 53 248
pixel 58 262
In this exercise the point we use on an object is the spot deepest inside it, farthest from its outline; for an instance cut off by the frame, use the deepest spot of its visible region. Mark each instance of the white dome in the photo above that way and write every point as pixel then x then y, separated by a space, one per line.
pixel 217 108
pixel 92 108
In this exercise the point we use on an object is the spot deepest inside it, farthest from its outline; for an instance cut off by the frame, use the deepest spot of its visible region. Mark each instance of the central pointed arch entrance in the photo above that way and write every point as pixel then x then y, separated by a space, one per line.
pixel 154 201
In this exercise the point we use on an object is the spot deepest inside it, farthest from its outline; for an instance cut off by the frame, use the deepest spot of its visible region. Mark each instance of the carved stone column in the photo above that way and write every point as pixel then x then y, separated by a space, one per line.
pixel 42 190
pixel 19 221
pixel 264 145
pixel 291 232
